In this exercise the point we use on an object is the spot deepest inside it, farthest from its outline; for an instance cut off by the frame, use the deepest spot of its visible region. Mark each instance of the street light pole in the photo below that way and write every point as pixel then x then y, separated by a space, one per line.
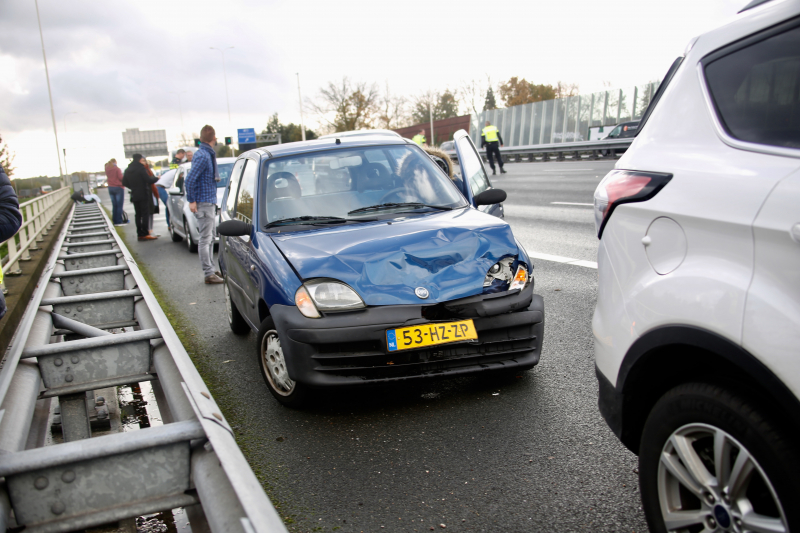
pixel 300 96
pixel 225 77
pixel 180 108
pixel 49 92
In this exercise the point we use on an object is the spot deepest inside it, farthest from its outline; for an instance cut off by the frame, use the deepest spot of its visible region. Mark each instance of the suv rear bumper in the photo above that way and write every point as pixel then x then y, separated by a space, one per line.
pixel 350 348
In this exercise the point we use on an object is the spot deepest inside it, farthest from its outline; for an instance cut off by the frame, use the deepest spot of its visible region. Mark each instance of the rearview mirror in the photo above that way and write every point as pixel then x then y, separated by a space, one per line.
pixel 491 197
pixel 234 228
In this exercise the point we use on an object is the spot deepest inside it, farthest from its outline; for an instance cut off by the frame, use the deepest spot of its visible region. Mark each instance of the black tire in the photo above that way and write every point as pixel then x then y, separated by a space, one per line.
pixel 173 233
pixel 235 320
pixel 189 241
pixel 681 430
pixel 273 368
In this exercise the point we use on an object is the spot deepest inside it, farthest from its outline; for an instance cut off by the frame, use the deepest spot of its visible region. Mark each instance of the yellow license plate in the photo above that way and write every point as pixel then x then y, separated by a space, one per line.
pixel 430 335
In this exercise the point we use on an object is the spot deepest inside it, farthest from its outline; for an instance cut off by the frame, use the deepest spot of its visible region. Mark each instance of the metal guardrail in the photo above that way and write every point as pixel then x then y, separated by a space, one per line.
pixel 38 217
pixel 93 322
pixel 532 152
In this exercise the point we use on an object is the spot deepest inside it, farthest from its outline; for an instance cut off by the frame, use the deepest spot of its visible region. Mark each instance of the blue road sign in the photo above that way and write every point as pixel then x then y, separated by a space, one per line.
pixel 247 135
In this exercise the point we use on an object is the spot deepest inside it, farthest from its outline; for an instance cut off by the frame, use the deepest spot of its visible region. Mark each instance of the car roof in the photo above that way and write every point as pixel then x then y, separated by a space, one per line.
pixel 359 133
pixel 318 145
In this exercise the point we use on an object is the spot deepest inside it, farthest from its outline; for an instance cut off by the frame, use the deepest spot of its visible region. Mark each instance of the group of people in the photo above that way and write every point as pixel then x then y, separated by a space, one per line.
pixel 201 193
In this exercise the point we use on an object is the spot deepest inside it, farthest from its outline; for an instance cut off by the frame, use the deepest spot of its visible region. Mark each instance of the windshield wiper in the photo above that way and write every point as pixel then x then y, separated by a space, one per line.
pixel 392 205
pixel 306 220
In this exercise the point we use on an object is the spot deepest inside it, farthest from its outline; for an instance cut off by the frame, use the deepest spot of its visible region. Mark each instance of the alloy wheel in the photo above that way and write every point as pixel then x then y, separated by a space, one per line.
pixel 708 481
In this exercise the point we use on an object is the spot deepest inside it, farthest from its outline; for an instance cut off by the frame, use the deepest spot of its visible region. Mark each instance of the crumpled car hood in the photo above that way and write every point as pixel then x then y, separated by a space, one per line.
pixel 448 253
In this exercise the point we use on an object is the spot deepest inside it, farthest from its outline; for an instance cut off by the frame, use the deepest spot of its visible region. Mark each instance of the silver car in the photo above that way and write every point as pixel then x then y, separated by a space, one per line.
pixel 182 222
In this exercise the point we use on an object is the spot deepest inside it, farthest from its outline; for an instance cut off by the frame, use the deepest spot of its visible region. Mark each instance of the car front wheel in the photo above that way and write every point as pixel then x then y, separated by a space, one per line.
pixel 710 461
pixel 273 367
pixel 189 241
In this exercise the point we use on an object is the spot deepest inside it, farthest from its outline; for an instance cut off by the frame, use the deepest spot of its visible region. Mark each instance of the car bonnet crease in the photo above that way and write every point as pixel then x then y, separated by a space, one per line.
pixel 447 253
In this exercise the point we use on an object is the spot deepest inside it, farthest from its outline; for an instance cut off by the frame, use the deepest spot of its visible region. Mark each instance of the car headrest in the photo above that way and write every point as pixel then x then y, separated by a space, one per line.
pixel 283 185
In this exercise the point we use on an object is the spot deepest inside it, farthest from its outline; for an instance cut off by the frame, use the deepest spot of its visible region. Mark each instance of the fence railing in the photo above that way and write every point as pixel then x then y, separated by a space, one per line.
pixel 606 148
pixel 38 217
pixel 93 323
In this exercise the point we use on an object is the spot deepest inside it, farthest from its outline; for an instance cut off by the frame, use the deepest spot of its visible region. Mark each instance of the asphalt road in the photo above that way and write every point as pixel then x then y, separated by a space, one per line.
pixel 474 454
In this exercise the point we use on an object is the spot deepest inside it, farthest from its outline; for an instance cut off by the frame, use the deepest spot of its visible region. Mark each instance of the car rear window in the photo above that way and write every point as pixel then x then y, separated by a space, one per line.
pixel 755 87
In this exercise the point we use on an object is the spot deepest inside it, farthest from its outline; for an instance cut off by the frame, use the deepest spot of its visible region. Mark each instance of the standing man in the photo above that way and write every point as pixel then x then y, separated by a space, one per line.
pixel 201 193
pixel 10 221
pixel 189 154
pixel 419 138
pixel 139 181
pixel 178 159
pixel 490 138
pixel 116 191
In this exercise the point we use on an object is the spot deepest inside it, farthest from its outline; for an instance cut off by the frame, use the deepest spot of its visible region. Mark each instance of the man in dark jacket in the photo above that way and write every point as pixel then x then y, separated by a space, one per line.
pixel 138 180
pixel 10 221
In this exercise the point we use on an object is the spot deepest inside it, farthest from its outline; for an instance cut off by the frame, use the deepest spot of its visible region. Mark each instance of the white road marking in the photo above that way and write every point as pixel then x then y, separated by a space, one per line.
pixel 566 169
pixel 571 203
pixel 565 260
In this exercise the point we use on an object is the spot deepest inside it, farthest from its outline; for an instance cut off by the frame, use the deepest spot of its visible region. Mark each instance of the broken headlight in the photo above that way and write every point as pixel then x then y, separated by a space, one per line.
pixel 499 275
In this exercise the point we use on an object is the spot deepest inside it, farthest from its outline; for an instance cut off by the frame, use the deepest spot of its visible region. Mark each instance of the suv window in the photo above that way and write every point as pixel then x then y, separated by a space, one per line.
pixel 756 89
pixel 247 191
pixel 230 205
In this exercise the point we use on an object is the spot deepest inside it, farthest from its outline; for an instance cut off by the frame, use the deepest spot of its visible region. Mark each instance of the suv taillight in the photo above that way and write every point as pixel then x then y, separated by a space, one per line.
pixel 622 187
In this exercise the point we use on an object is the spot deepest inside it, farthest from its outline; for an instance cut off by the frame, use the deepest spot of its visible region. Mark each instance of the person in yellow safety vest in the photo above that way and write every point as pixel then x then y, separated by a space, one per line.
pixel 419 138
pixel 490 138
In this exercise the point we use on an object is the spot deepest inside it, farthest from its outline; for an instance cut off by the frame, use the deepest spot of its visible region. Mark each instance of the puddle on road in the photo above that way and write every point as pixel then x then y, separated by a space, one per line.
pixel 139 410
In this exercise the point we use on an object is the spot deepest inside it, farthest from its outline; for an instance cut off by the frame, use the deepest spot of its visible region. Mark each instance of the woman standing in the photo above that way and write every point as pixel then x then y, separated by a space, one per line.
pixel 116 191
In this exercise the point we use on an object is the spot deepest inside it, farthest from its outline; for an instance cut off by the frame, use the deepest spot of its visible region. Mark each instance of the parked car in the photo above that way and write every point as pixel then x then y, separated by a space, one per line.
pixel 383 272
pixel 697 324
pixel 182 222
pixel 624 130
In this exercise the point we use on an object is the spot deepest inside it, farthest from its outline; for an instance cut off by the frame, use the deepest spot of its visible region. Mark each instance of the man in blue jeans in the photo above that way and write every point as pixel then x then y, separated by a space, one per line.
pixel 116 191
pixel 201 193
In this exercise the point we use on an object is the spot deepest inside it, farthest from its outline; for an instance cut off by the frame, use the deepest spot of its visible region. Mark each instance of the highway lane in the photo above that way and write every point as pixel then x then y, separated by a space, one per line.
pixel 475 454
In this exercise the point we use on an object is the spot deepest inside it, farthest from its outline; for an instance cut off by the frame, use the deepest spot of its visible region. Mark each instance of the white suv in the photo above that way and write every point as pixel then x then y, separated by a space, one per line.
pixel 697 325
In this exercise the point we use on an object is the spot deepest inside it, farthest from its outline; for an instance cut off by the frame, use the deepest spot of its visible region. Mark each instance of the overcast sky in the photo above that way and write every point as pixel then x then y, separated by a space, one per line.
pixel 117 64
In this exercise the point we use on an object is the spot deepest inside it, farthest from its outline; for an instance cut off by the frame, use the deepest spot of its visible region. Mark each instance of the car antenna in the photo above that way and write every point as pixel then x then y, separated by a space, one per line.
pixel 338 141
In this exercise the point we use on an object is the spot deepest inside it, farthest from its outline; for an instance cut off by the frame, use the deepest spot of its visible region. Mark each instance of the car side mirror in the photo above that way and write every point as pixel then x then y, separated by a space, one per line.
pixel 175 191
pixel 234 228
pixel 491 197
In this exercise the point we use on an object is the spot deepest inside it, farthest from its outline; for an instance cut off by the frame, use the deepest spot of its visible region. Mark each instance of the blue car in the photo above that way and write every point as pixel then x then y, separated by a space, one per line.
pixel 358 260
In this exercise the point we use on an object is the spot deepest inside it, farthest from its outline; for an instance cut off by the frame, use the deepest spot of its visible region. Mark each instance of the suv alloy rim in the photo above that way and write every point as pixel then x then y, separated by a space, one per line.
pixel 707 478
pixel 273 364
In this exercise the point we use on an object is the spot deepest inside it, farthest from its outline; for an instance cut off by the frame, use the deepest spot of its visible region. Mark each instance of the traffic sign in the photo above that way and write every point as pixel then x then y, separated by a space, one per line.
pixel 246 135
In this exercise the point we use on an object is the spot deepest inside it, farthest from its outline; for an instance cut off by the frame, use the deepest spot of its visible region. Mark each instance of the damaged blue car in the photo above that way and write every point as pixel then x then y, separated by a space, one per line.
pixel 366 259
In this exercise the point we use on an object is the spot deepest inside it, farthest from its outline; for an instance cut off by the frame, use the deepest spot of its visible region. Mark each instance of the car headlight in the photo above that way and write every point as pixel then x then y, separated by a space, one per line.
pixel 499 271
pixel 326 295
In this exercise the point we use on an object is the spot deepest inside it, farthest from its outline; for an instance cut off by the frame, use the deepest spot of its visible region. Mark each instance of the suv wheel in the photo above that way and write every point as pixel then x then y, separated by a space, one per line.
pixel 273 367
pixel 235 319
pixel 710 461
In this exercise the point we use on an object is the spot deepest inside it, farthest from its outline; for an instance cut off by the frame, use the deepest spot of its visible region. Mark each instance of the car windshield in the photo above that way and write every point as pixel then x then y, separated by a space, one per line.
pixel 342 183
pixel 224 171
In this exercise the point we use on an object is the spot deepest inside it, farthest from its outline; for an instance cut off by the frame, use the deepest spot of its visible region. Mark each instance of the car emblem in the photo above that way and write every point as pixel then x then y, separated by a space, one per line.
pixel 421 292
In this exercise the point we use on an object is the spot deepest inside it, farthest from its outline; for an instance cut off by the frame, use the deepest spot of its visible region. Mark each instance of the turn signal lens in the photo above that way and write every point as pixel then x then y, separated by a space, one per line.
pixel 520 279
pixel 305 304
pixel 621 187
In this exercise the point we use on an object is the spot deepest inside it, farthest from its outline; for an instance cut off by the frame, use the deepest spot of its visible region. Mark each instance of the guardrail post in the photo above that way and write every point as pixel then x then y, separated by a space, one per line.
pixel 12 269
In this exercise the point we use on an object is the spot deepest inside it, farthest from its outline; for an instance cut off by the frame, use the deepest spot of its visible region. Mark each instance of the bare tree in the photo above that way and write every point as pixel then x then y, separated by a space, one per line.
pixel 565 90
pixel 392 110
pixel 472 94
pixel 346 106
pixel 6 159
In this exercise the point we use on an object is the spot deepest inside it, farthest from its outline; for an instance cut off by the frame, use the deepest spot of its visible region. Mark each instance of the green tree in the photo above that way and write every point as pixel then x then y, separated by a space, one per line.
pixel 289 132
pixel 490 102
pixel 6 158
pixel 540 93
pixel 442 105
